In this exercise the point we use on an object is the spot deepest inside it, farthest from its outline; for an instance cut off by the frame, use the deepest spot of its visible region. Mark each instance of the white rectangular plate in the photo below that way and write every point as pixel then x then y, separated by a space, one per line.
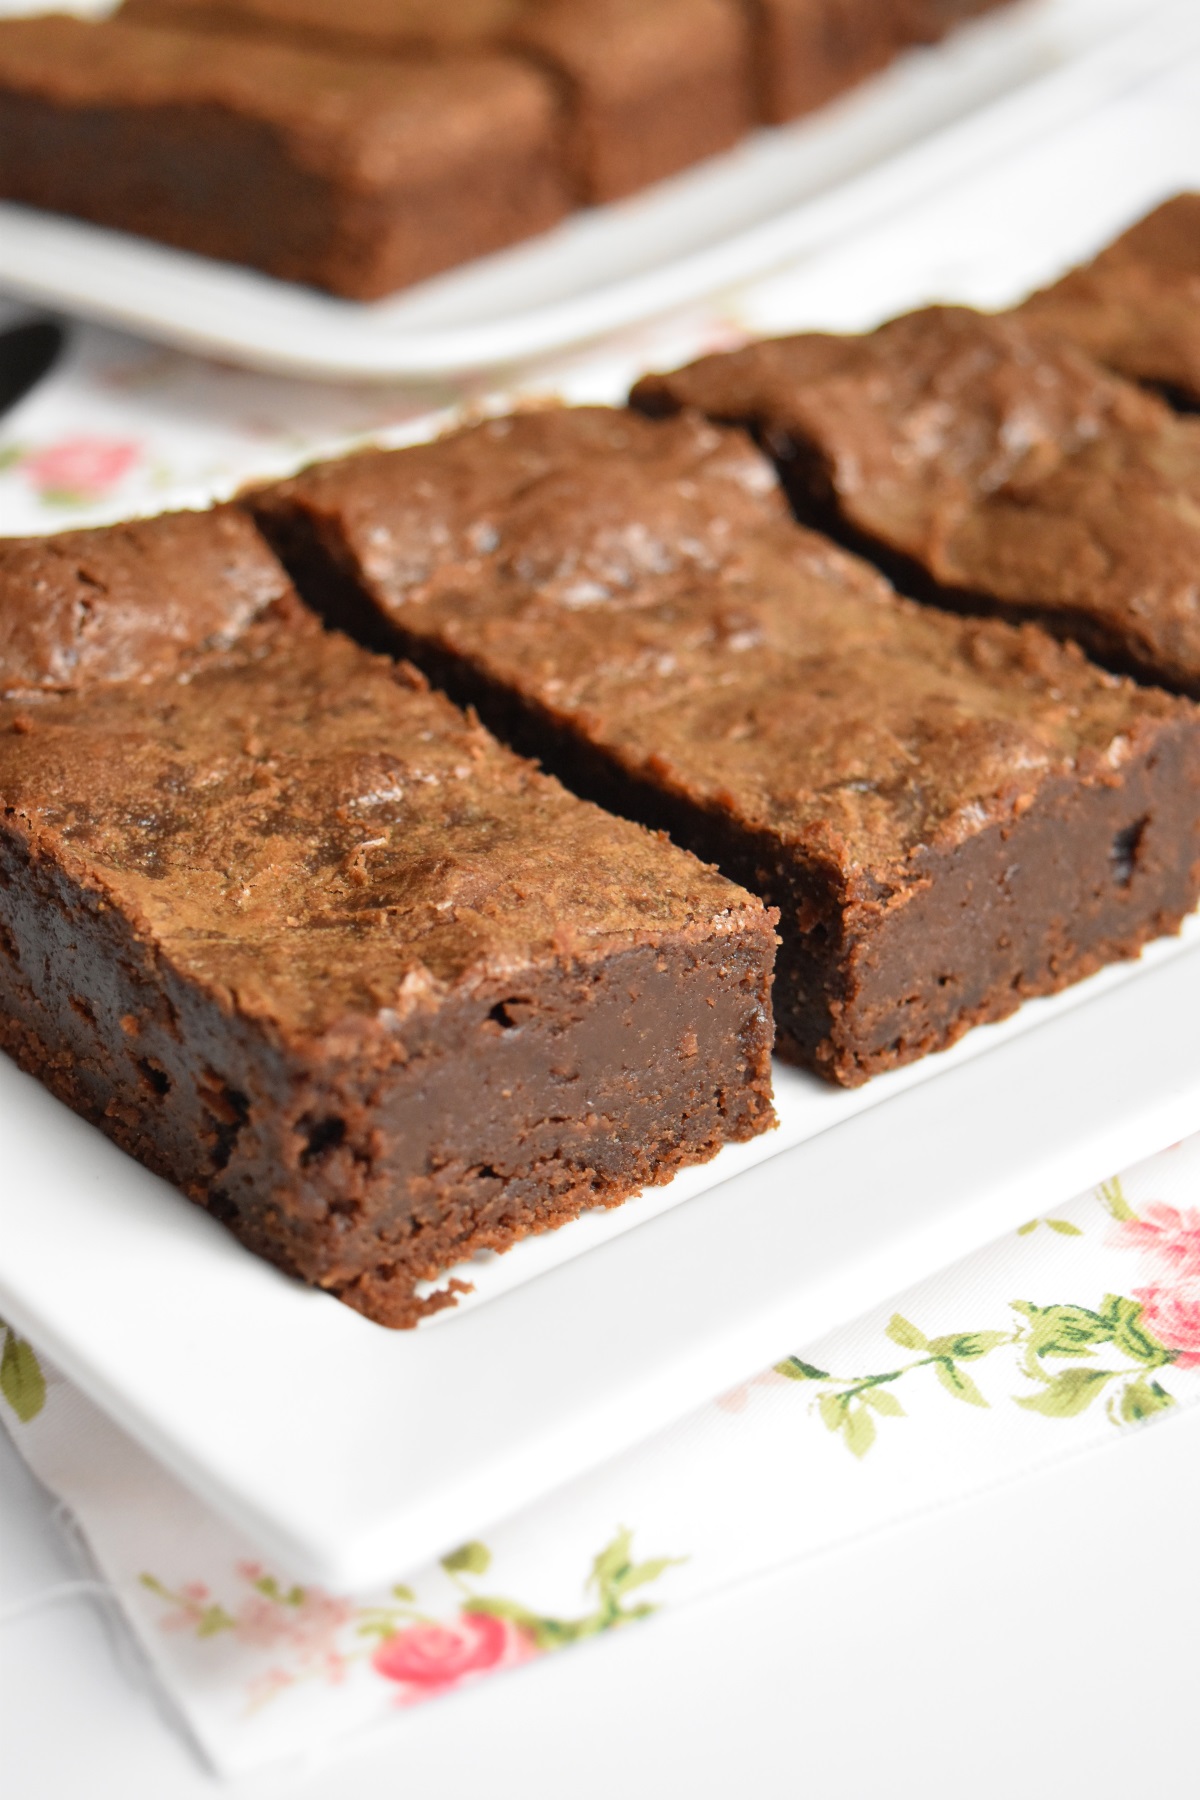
pixel 779 192
pixel 351 1453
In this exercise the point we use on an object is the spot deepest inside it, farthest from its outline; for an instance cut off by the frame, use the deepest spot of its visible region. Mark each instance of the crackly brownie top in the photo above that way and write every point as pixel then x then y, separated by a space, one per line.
pixel 403 24
pixel 1136 307
pixel 1001 461
pixel 357 120
pixel 132 602
pixel 313 835
pixel 580 500
pixel 927 413
pixel 795 690
pixel 609 42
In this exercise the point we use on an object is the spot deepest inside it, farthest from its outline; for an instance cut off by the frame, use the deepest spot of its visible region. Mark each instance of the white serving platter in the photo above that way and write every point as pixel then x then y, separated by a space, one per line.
pixel 781 192
pixel 350 1453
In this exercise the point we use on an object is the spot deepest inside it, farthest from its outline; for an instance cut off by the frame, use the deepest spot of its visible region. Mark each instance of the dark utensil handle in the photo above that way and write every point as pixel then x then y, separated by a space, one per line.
pixel 27 353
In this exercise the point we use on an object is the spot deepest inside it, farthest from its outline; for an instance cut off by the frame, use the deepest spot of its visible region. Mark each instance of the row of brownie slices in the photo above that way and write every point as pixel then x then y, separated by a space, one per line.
pixel 330 954
pixel 367 144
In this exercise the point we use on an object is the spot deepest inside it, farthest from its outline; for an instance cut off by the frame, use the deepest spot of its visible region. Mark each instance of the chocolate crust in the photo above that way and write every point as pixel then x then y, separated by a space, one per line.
pixel 136 601
pixel 346 174
pixel 649 86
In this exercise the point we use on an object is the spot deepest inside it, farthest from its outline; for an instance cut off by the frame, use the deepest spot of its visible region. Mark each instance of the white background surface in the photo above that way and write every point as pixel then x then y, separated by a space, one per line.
pixel 1038 1642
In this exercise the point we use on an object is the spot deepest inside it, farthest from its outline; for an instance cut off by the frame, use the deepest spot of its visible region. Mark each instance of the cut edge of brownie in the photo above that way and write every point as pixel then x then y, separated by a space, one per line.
pixel 805 478
pixel 1124 828
pixel 1107 840
pixel 282 1138
pixel 459 1208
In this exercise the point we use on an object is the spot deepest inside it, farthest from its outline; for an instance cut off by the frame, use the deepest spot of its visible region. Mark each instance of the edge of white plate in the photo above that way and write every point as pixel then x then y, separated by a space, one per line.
pixel 351 1454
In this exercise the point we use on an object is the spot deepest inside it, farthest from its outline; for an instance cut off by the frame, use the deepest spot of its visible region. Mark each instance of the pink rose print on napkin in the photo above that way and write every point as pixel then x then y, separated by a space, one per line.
pixel 303 1632
pixel 304 1624
pixel 1170 1239
pixel 1173 1315
pixel 79 469
pixel 1169 1243
pixel 431 1657
pixel 306 1621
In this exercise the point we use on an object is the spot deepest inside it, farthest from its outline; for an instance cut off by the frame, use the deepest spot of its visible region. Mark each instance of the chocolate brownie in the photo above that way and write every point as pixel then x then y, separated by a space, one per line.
pixel 1136 308
pixel 354 175
pixel 651 86
pixel 647 86
pixel 306 940
pixel 133 602
pixel 985 466
pixel 809 51
pixel 950 815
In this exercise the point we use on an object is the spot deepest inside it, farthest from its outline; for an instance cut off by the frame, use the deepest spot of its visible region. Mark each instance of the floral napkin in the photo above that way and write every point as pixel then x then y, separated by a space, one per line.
pixel 1077 1328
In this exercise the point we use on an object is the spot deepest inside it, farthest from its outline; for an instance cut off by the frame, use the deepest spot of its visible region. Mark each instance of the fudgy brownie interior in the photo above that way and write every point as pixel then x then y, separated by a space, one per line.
pixel 311 944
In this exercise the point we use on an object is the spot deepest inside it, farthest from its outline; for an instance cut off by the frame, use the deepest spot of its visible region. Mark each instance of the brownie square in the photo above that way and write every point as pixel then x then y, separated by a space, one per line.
pixel 809 51
pixel 308 942
pixel 985 466
pixel 950 815
pixel 1136 307
pixel 133 602
pixel 350 174
pixel 646 87
pixel 651 86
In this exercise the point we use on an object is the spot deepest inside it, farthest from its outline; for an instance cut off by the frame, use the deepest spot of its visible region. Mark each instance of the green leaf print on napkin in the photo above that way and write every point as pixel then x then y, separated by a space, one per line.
pixel 471 1559
pixel 614 1576
pixel 1111 1350
pixel 1076 1332
pixel 847 1403
pixel 21 1380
